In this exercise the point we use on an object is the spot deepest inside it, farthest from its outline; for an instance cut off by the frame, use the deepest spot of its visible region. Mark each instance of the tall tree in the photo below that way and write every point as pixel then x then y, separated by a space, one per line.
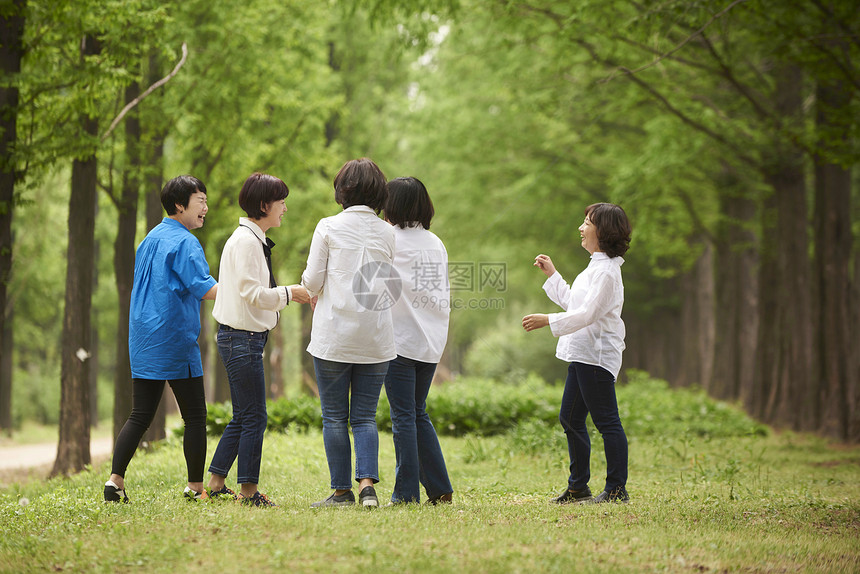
pixel 123 256
pixel 73 449
pixel 11 51
pixel 833 242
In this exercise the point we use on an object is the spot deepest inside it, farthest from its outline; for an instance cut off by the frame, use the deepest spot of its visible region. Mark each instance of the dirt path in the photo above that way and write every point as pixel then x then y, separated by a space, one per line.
pixel 31 455
pixel 34 461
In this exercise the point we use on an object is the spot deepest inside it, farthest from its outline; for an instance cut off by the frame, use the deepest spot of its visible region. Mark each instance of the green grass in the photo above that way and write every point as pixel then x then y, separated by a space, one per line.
pixel 776 503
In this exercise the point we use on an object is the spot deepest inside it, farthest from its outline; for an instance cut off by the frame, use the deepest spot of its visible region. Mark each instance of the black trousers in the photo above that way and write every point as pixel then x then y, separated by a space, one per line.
pixel 147 393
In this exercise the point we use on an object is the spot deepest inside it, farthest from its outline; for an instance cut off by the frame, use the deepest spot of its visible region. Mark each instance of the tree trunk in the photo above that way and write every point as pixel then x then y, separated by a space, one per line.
pixel 736 297
pixel 854 386
pixel 833 241
pixel 11 52
pixel 73 450
pixel 697 322
pixel 123 260
pixel 93 377
pixel 6 364
pixel 785 336
pixel 154 180
pixel 653 342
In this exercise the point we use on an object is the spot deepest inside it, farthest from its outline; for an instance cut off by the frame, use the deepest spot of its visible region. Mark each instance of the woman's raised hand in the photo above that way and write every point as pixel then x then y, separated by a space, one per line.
pixel 544 263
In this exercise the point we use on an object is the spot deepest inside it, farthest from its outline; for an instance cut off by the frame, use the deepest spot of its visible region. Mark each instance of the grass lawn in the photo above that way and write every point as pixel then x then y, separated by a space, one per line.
pixel 782 503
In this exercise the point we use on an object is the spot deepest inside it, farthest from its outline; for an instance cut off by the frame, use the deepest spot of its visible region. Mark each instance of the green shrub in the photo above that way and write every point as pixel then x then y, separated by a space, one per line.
pixel 483 407
pixel 650 407
pixel 301 413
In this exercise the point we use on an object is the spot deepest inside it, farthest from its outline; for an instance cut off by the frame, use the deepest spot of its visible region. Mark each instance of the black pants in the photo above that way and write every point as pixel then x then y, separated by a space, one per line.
pixel 192 405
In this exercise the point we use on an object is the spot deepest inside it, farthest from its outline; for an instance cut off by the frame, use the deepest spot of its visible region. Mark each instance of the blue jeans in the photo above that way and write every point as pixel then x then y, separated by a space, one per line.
pixel 349 394
pixel 591 389
pixel 242 355
pixel 416 446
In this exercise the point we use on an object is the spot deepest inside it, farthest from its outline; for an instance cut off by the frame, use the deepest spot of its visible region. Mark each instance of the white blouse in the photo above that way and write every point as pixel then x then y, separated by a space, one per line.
pixel 244 299
pixel 590 330
pixel 349 261
pixel 421 313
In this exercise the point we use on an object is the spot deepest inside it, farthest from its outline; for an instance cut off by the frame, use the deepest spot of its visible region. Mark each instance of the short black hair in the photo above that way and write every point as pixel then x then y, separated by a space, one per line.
pixel 408 203
pixel 613 228
pixel 258 191
pixel 178 191
pixel 360 182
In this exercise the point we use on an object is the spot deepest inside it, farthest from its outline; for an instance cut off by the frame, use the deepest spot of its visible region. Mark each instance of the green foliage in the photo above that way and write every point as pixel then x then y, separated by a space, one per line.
pixel 507 353
pixel 298 413
pixel 484 407
pixel 649 407
pixel 515 114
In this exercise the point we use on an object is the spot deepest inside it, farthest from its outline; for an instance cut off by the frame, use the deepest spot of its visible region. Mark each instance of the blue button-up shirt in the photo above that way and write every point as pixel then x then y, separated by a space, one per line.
pixel 171 276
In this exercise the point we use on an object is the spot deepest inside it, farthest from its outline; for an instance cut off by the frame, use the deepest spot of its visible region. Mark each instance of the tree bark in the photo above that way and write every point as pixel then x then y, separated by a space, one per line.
pixel 697 322
pixel 11 52
pixel 833 243
pixel 785 335
pixel 123 260
pixel 854 386
pixel 93 378
pixel 73 450
pixel 6 364
pixel 653 341
pixel 735 285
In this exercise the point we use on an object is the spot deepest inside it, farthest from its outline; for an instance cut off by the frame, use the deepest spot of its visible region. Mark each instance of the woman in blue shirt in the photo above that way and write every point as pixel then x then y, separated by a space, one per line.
pixel 171 276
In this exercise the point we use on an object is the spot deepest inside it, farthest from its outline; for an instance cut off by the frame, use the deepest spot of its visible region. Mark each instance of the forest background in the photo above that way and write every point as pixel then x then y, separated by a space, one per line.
pixel 728 130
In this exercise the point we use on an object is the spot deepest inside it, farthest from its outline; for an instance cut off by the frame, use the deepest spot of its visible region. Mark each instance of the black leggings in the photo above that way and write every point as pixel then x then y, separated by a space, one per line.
pixel 192 404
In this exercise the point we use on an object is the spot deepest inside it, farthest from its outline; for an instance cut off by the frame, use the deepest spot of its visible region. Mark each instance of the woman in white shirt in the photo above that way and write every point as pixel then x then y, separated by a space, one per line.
pixel 420 333
pixel 352 340
pixel 247 308
pixel 591 338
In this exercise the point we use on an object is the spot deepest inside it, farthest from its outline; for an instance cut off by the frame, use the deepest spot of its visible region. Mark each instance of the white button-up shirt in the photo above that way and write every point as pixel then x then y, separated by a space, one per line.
pixel 244 299
pixel 421 313
pixel 348 268
pixel 590 330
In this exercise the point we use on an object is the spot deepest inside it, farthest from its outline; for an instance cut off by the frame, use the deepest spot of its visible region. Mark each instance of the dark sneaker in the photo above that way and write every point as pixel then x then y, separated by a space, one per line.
pixel 345 499
pixel 223 494
pixel 114 494
pixel 574 496
pixel 617 494
pixel 259 499
pixel 367 497
pixel 190 494
pixel 441 499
